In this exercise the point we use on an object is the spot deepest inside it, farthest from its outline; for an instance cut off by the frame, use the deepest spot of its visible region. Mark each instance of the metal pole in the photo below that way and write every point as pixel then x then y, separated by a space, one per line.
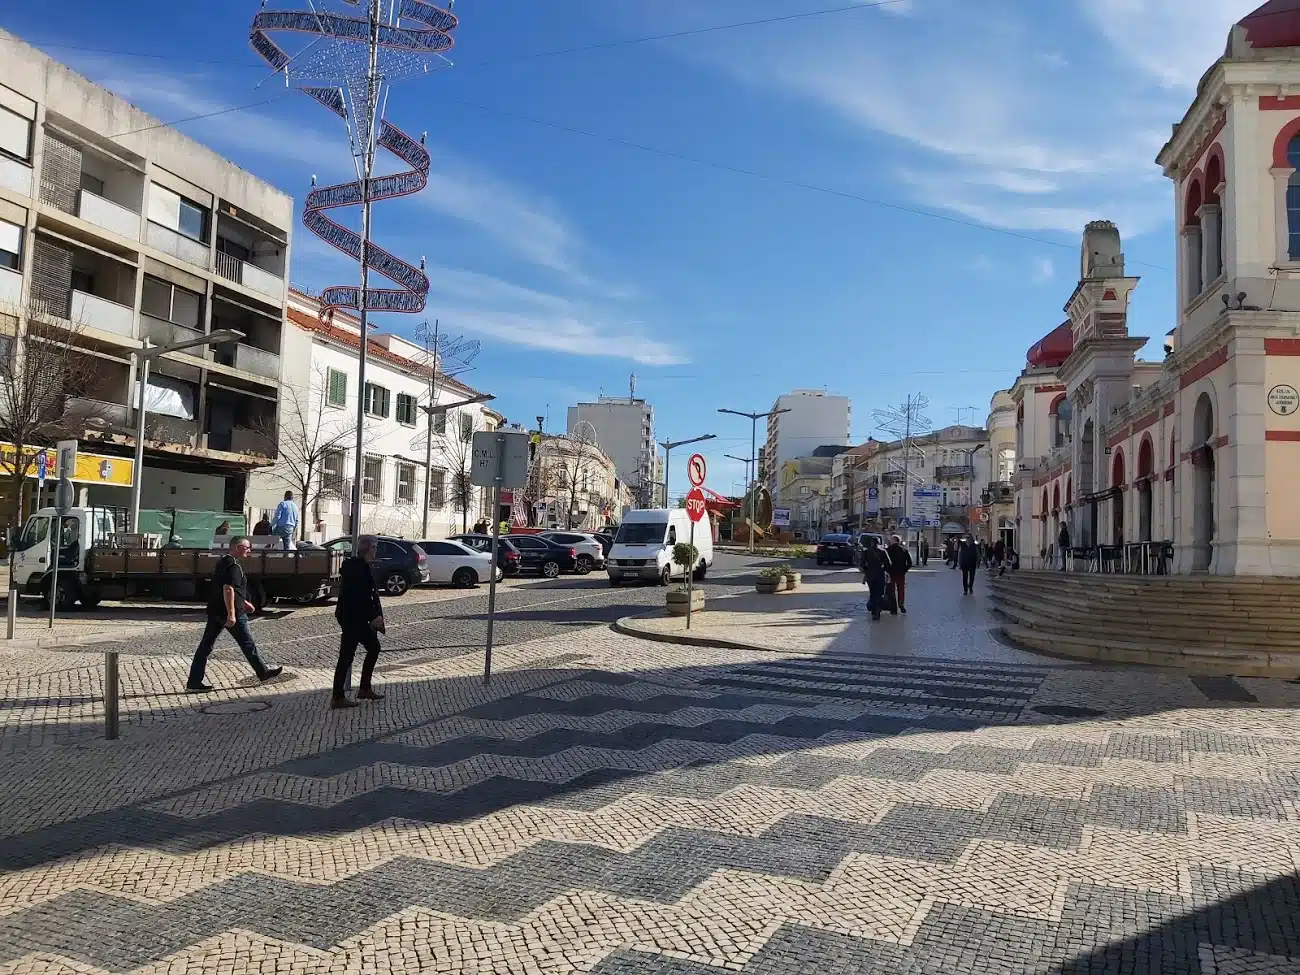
pixel 367 168
pixel 55 531
pixel 110 694
pixel 428 437
pixel 690 579
pixel 753 491
pixel 668 452
pixel 137 471
pixel 492 585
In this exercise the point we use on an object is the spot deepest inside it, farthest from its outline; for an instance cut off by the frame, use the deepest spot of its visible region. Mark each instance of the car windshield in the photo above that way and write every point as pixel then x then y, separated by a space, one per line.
pixel 641 533
pixel 835 539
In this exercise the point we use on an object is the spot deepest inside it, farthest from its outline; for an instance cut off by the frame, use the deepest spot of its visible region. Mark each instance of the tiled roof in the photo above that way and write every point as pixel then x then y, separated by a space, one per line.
pixel 344 336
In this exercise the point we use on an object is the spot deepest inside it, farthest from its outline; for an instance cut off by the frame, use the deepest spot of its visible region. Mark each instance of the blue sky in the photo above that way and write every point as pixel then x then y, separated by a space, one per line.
pixel 578 259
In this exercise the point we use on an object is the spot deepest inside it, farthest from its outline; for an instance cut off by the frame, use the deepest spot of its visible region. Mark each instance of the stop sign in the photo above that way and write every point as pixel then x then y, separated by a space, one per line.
pixel 695 506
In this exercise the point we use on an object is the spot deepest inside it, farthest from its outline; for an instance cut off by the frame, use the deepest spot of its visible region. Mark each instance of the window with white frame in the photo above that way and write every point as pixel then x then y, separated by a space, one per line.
pixel 332 472
pixel 437 487
pixel 440 422
pixel 1293 200
pixel 377 401
pixel 405 483
pixel 169 209
pixel 15 135
pixel 372 478
pixel 467 427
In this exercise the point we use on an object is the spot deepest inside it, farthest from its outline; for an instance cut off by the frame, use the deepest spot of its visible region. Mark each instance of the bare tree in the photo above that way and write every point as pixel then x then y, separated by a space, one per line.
pixel 42 367
pixel 457 451
pixel 308 432
pixel 578 462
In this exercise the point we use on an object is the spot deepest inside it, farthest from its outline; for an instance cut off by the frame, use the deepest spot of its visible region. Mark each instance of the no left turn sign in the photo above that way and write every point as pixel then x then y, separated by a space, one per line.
pixel 696 469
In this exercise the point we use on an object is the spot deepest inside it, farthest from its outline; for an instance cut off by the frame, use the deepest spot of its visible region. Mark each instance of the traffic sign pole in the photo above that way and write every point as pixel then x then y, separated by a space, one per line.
pixel 695 510
pixel 499 459
pixel 690 581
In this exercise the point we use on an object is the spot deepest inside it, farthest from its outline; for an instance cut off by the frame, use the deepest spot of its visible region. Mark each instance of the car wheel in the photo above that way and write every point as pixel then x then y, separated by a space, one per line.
pixel 701 571
pixel 551 569
pixel 396 583
pixel 464 578
pixel 90 598
pixel 666 576
pixel 584 565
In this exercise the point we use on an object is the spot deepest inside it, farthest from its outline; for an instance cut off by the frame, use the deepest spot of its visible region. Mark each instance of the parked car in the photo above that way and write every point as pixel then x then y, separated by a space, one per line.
pixel 543 556
pixel 507 554
pixel 837 548
pixel 399 564
pixel 606 542
pixel 590 553
pixel 453 562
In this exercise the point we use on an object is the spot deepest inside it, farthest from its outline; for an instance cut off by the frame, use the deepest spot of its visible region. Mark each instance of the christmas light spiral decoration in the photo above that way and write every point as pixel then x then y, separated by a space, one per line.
pixel 347 63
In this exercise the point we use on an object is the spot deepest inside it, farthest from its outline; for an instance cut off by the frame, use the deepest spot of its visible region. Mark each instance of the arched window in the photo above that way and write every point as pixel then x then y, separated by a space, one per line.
pixel 1192 255
pixel 1006 464
pixel 1212 229
pixel 1060 413
pixel 1293 199
pixel 1117 470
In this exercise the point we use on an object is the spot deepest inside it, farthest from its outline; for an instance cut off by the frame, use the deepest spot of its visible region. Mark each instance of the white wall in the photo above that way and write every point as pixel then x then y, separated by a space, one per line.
pixel 815 420
pixel 180 489
pixel 621 433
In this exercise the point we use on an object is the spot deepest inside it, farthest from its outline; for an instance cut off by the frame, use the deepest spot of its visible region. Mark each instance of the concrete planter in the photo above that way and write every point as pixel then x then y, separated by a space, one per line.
pixel 770 584
pixel 676 601
pixel 793 580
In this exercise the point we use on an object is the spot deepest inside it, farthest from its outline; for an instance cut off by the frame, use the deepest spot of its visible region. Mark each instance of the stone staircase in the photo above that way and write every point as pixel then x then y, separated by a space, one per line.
pixel 1246 627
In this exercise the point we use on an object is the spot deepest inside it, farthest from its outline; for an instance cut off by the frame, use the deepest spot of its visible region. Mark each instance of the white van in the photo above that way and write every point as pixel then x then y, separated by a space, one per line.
pixel 643 547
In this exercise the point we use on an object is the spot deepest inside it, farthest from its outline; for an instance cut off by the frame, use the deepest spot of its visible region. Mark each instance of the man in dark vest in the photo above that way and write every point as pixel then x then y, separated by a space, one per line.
pixel 361 618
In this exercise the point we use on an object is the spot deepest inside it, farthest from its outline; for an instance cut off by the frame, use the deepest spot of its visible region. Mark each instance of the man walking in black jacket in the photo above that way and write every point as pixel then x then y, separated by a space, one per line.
pixel 874 564
pixel 228 609
pixel 361 618
pixel 968 560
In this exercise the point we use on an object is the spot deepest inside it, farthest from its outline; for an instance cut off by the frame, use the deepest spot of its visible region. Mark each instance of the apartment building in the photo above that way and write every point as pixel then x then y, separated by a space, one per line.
pixel 577 485
pixel 848 494
pixel 318 434
pixel 126 232
pixel 625 431
pixel 952 462
pixel 815 419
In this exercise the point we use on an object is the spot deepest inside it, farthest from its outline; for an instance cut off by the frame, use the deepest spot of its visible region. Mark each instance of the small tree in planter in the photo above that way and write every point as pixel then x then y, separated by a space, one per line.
pixel 686 556
pixel 770 580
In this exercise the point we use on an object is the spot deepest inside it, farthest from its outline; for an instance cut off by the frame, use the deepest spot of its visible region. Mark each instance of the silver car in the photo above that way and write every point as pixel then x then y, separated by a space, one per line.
pixel 591 554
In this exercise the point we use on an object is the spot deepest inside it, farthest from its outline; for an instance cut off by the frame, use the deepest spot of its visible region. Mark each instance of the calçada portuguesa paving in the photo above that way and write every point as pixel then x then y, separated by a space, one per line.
pixel 906 796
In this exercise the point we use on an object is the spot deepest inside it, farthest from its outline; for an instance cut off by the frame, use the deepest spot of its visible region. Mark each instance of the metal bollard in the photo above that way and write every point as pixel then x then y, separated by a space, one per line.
pixel 110 694
pixel 12 613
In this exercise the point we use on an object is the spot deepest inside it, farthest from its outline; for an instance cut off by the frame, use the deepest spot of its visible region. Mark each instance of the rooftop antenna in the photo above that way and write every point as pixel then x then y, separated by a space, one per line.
pixel 631 387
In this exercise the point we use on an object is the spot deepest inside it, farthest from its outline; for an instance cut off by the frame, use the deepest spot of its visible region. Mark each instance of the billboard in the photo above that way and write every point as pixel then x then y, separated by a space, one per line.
pixel 780 517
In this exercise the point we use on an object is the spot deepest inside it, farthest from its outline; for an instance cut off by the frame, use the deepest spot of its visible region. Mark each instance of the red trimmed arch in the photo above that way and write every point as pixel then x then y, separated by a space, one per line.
pixel 1215 168
pixel 1195 197
pixel 1283 142
pixel 1117 469
pixel 1056 403
pixel 1146 458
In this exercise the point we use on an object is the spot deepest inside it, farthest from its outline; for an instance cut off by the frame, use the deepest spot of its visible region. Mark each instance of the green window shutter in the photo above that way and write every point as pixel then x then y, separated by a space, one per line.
pixel 337 394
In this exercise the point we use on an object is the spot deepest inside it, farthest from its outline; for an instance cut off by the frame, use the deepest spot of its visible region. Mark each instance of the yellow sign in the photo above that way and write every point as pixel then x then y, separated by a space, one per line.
pixel 91 468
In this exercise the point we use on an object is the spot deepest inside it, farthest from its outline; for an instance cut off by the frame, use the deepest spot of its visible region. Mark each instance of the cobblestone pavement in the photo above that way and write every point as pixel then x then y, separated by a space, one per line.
pixel 622 807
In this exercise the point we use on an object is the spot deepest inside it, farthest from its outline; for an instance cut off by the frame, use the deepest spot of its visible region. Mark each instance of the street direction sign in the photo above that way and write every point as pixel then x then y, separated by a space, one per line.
pixel 499 458
pixel 925 506
pixel 42 467
pixel 696 469
pixel 695 505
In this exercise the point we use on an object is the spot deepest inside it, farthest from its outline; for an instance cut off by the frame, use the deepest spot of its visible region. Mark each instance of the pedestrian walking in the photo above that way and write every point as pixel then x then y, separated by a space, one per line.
pixel 923 550
pixel 900 562
pixel 285 522
pixel 968 560
pixel 361 619
pixel 228 609
pixel 874 565
pixel 263 526
pixel 1000 555
pixel 1063 543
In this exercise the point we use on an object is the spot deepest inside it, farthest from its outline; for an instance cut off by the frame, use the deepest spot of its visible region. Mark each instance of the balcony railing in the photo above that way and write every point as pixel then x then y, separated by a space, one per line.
pixel 892 477
pixel 250 276
pixel 11 287
pixel 1001 490
pixel 107 316
pixel 177 245
pixel 948 472
pixel 97 413
pixel 16 176
pixel 170 430
pixel 161 332
pixel 954 510
pixel 109 215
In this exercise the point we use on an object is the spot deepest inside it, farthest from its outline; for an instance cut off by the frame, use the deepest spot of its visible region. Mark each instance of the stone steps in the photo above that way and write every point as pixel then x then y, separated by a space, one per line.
pixel 1244 627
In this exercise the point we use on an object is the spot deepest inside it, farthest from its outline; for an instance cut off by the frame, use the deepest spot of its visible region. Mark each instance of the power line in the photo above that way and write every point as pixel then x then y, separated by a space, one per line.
pixel 769 178
pixel 519 58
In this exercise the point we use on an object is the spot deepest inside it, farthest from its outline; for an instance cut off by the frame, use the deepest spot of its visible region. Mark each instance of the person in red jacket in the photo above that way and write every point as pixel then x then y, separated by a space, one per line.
pixel 900 561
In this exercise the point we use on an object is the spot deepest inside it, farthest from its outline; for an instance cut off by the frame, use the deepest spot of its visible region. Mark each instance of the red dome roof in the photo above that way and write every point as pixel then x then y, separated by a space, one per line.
pixel 1053 348
pixel 1275 24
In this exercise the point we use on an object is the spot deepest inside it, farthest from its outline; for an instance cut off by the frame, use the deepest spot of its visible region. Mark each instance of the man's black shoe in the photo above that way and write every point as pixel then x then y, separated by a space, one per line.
pixel 198 689
pixel 272 673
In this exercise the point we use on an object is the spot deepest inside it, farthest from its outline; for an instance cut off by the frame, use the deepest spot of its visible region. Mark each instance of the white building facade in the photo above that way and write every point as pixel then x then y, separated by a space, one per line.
pixel 318 430
pixel 625 430
pixel 128 232
pixel 816 419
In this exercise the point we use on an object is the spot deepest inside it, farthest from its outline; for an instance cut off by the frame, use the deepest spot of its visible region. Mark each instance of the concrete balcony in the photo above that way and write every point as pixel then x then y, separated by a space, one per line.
pixel 257 361
pixel 250 276
pixel 95 413
pixel 15 176
pixel 11 287
pixel 242 440
pixel 954 472
pixel 109 215
pixel 161 332
pixel 100 313
pixel 177 245
pixel 170 430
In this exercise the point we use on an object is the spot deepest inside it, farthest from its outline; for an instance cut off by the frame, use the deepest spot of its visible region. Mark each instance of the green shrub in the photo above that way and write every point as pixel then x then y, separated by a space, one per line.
pixel 686 555
pixel 771 572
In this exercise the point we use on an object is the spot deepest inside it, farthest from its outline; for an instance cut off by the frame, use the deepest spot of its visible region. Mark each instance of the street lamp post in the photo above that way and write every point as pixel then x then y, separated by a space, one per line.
pixel 669 446
pixel 430 411
pixel 753 452
pixel 144 356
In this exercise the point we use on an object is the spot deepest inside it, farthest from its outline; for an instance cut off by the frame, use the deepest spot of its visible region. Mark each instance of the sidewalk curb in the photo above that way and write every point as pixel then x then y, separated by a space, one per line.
pixel 627 626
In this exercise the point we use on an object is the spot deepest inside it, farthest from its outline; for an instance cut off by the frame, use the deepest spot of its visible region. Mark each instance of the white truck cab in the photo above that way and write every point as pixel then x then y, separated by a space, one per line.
pixel 643 547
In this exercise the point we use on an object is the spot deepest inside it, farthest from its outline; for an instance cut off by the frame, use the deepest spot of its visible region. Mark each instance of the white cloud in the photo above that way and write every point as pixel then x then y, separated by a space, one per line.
pixel 1174 41
pixel 528 226
pixel 1043 270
